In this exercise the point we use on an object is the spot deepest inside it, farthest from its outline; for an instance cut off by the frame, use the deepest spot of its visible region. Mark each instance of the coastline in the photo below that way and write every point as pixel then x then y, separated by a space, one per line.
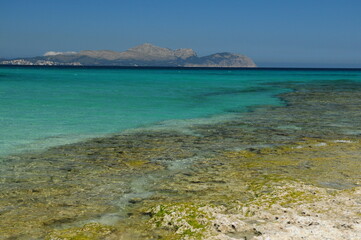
pixel 230 180
pixel 183 68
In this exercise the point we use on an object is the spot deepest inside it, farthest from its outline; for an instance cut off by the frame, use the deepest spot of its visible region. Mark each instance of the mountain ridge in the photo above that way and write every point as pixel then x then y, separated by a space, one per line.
pixel 141 55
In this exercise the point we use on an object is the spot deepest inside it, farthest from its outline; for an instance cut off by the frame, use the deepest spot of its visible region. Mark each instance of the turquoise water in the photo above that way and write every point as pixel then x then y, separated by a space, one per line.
pixel 43 107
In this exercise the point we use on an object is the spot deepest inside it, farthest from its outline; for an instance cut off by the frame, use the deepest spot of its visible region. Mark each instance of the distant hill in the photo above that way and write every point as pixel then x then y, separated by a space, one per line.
pixel 142 55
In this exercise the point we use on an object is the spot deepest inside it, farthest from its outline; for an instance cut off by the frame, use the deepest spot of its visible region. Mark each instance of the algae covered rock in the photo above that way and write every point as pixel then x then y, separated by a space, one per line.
pixel 185 221
pixel 91 231
pixel 287 210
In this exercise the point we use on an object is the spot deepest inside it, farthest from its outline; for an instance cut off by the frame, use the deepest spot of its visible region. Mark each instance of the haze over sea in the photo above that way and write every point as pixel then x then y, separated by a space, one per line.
pixel 43 107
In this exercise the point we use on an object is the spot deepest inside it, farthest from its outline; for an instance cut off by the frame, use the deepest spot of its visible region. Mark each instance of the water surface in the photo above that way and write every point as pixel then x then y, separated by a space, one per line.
pixel 42 107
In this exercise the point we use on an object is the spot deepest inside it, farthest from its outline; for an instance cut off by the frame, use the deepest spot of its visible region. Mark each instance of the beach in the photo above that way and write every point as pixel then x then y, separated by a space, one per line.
pixel 275 171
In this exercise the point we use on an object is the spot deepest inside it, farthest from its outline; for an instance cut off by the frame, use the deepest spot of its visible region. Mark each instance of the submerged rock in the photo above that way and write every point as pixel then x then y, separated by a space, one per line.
pixel 273 173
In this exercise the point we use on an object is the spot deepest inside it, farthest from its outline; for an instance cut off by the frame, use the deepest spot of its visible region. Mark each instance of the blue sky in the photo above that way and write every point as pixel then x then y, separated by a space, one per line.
pixel 318 33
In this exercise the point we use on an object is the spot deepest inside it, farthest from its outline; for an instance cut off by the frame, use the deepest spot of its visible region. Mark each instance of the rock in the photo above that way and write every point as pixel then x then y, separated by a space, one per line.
pixel 135 200
pixel 222 60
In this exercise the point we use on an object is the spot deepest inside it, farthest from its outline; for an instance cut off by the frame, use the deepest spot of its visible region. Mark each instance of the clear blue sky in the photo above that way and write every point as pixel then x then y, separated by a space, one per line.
pixel 273 33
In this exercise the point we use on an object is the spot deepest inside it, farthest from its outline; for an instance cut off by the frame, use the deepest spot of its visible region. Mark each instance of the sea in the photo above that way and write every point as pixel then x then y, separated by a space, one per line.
pixel 42 107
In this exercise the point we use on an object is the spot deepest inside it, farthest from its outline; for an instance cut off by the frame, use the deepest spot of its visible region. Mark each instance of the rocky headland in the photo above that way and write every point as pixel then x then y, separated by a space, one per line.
pixel 142 55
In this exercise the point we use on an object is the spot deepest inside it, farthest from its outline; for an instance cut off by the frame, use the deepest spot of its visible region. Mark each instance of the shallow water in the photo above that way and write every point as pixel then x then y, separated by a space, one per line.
pixel 42 107
pixel 212 157
pixel 47 107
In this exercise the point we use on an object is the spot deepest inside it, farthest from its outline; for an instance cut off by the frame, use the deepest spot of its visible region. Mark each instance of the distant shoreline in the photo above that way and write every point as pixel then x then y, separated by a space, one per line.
pixel 181 68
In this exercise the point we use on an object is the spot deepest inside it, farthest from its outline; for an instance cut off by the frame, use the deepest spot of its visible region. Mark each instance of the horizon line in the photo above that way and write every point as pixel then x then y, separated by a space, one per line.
pixel 181 68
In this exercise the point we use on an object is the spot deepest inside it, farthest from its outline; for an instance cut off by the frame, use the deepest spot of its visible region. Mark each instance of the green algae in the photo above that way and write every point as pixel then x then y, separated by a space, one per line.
pixel 283 193
pixel 136 163
pixel 185 220
pixel 91 231
pixel 312 161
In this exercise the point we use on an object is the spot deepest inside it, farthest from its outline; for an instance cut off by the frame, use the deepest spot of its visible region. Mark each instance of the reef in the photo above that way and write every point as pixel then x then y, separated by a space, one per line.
pixel 286 172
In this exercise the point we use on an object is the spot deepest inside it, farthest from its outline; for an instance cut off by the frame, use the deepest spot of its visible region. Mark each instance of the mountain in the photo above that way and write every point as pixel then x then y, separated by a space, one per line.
pixel 142 55
pixel 222 60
